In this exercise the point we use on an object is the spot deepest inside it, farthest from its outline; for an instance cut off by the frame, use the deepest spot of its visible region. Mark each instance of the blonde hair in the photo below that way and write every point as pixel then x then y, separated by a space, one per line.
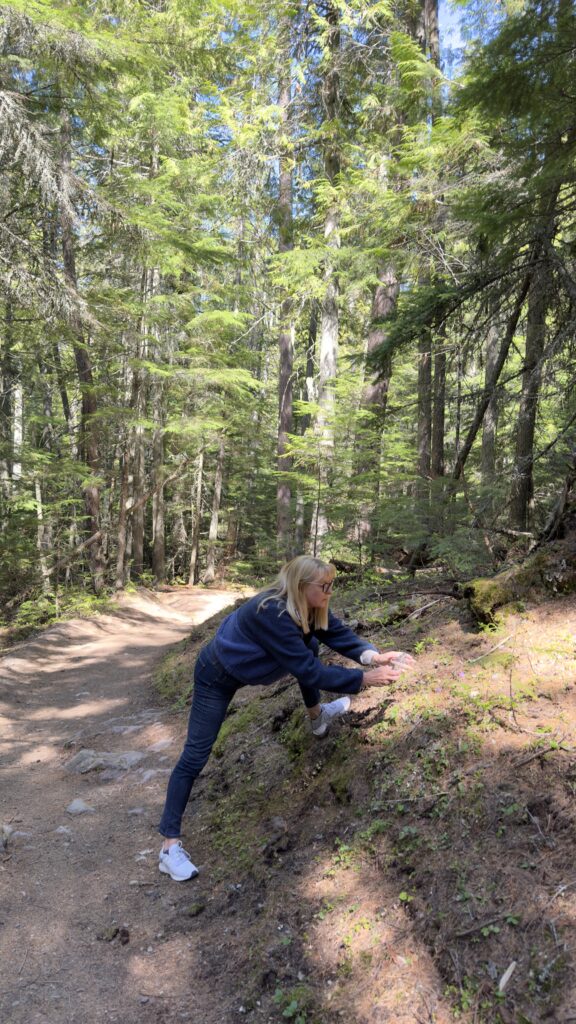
pixel 289 586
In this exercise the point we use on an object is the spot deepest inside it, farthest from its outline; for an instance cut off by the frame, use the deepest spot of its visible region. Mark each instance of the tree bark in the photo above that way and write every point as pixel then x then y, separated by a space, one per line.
pixel 432 31
pixel 88 436
pixel 523 486
pixel 438 413
pixel 424 412
pixel 50 252
pixel 139 403
pixel 210 572
pixel 490 424
pixel 304 510
pixel 178 533
pixel 197 519
pixel 158 502
pixel 46 441
pixel 438 385
pixel 491 384
pixel 373 404
pixel 43 538
pixel 121 532
pixel 286 336
pixel 8 377
pixel 329 318
pixel 149 287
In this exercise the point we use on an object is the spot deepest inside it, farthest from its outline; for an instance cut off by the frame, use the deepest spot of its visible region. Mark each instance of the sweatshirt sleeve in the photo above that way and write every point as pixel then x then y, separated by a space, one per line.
pixel 341 638
pixel 280 637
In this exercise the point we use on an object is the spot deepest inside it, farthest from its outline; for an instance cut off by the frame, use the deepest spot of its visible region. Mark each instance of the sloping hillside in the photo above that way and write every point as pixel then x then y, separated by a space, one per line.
pixel 417 865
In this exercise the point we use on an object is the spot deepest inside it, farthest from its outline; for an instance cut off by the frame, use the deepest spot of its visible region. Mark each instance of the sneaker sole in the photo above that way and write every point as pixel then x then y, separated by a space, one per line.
pixel 176 878
pixel 321 735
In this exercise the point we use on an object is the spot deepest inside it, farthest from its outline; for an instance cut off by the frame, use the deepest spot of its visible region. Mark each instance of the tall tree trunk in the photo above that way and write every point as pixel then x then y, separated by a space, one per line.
pixel 424 413
pixel 307 394
pixel 373 407
pixel 490 424
pixel 283 488
pixel 88 433
pixel 50 253
pixel 210 572
pixel 439 411
pixel 432 31
pixel 138 489
pixel 149 286
pixel 523 485
pixel 178 531
pixel 43 537
pixel 438 384
pixel 59 371
pixel 541 285
pixel 300 519
pixel 8 379
pixel 197 519
pixel 46 441
pixel 463 452
pixel 158 507
pixel 158 500
pixel 139 403
pixel 286 336
pixel 5 447
pixel 17 431
pixel 121 534
pixel 232 531
pixel 329 319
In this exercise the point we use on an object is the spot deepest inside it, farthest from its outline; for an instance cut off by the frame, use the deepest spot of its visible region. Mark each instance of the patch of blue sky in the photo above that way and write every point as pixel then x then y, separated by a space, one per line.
pixel 465 24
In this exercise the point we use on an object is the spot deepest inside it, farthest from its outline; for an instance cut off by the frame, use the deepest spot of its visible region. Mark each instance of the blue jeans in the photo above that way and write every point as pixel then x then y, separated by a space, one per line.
pixel 214 688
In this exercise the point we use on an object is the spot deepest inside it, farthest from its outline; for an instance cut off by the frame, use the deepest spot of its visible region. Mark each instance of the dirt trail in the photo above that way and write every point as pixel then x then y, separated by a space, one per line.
pixel 68 881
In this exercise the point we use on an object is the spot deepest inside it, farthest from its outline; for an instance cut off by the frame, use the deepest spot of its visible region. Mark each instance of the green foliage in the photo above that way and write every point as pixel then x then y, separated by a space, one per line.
pixel 238 721
pixel 172 678
pixel 294 1003
pixel 416 74
pixel 159 166
pixel 43 609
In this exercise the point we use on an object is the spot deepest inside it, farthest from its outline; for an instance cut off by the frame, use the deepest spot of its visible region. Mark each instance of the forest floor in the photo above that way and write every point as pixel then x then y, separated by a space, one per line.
pixel 418 866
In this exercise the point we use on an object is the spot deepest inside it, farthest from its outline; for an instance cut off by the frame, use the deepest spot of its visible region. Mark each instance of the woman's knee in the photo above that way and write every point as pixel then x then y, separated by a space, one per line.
pixel 193 758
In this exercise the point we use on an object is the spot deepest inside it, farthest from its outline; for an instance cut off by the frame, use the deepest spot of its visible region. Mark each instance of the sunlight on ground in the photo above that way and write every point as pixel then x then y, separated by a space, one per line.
pixel 365 946
pixel 7 728
pixel 166 970
pixel 39 754
pixel 80 711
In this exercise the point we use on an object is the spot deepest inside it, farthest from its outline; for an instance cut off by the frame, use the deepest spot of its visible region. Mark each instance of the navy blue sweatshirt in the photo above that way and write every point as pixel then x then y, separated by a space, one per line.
pixel 259 644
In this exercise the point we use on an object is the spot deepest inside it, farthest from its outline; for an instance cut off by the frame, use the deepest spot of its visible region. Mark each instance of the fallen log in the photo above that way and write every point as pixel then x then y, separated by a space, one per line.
pixel 549 570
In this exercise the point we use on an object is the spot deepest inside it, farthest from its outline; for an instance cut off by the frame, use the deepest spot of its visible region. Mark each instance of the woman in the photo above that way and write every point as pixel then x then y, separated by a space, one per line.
pixel 274 633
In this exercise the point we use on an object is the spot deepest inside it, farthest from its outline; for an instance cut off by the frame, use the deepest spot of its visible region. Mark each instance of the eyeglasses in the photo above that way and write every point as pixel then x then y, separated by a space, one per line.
pixel 326 588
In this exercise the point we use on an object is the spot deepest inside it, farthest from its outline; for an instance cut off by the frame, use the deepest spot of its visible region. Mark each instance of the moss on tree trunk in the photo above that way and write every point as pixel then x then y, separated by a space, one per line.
pixel 551 569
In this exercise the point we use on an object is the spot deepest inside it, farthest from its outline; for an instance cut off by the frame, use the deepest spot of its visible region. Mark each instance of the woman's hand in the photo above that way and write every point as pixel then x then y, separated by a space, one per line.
pixel 380 676
pixel 387 666
pixel 391 657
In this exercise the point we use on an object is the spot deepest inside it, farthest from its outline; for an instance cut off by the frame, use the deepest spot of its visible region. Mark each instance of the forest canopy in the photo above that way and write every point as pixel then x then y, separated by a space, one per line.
pixel 280 277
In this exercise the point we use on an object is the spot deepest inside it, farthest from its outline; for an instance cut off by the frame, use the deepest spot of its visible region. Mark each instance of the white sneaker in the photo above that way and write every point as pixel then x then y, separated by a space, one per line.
pixel 328 712
pixel 175 862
